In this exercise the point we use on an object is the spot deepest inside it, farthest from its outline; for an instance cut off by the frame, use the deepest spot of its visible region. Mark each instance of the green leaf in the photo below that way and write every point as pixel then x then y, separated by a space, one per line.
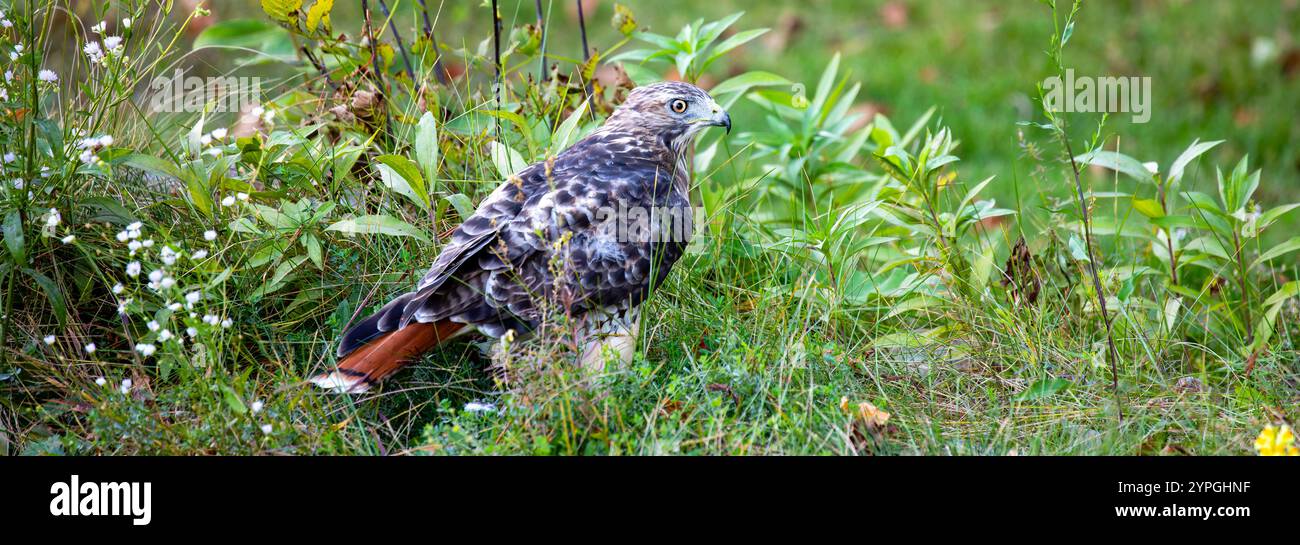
pixel 1043 388
pixel 319 13
pixel 52 293
pixel 464 207
pixel 403 176
pixel 1192 152
pixel 507 160
pixel 150 163
pixel 1117 162
pixel 1277 251
pixel 426 148
pixel 379 225
pixel 1150 208
pixel 567 133
pixel 283 11
pixel 736 40
pixel 232 400
pixel 14 238
pixel 741 84
pixel 314 251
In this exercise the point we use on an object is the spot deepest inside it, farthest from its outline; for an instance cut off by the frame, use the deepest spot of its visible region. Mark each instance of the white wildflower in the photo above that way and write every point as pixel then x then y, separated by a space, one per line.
pixel 93 51
pixel 69 239
pixel 100 381
pixel 227 323
pixel 228 201
pixel 99 28
pixel 118 288
pixel 49 339
pixel 201 254
pixel 54 218
pixel 156 276
pixel 145 349
pixel 126 385
pixel 47 76
pixel 242 196
pixel 9 158
pixel 89 348
pixel 193 297
pixel 165 335
pixel 133 269
pixel 266 428
pixel 126 22
pixel 209 235
pixel 168 255
pixel 219 134
pixel 113 43
pixel 256 406
pixel 154 325
pixel 478 407
pixel 192 332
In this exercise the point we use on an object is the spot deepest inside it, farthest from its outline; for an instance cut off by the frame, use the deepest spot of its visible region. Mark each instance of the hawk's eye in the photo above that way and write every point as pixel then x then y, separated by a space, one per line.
pixel 678 105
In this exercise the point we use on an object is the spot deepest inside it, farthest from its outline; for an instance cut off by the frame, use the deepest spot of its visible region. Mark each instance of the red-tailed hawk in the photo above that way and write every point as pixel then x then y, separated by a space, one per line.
pixel 593 230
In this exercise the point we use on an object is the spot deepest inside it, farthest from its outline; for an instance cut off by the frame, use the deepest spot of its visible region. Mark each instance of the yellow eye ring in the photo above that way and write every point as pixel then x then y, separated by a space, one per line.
pixel 678 105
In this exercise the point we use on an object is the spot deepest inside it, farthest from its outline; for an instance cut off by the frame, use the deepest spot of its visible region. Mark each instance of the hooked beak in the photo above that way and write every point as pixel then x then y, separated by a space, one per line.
pixel 721 119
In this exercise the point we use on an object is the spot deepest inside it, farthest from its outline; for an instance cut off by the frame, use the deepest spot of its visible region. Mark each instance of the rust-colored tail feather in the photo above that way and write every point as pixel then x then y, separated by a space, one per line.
pixel 364 367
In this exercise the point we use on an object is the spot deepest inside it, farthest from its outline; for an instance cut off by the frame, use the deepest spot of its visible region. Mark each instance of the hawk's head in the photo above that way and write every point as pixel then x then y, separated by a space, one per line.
pixel 672 111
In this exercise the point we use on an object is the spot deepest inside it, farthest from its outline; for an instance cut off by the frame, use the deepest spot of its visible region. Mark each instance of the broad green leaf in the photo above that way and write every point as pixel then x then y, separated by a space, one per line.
pixel 233 401
pixel 15 240
pixel 1277 251
pixel 426 148
pixel 319 13
pixel 567 133
pixel 1044 388
pixel 1192 152
pixel 508 161
pixel 1150 208
pixel 379 225
pixel 403 176
pixel 1118 162
pixel 314 251
pixel 283 11
pixel 464 207
pixel 52 293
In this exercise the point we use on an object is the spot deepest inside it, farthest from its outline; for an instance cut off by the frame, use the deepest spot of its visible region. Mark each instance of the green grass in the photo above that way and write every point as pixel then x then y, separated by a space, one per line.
pixel 754 347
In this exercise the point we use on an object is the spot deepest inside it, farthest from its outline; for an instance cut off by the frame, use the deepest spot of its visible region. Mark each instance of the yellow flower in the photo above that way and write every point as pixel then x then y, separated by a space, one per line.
pixel 1276 441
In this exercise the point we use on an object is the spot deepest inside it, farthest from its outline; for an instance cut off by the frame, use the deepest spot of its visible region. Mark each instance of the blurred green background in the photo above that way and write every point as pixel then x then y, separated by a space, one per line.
pixel 1220 69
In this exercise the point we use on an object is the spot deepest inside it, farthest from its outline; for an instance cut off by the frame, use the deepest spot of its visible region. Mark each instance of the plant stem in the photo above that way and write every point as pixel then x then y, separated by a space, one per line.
pixel 401 47
pixel 586 51
pixel 433 41
pixel 1112 352
pixel 1241 282
pixel 541 28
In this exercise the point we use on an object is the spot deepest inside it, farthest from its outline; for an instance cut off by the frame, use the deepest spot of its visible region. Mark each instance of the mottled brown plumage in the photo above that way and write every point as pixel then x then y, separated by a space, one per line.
pixel 501 261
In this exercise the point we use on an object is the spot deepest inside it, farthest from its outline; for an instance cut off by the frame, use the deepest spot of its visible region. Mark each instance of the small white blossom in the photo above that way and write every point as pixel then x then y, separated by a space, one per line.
pixel 228 201
pixel 69 239
pixel 100 381
pixel 168 255
pixel 19 183
pixel 126 22
pixel 99 28
pixel 133 269
pixel 153 325
pixel 165 335
pixel 242 196
pixel 47 76
pixel 478 407
pixel 218 134
pixel 256 406
pixel 193 297
pixel 118 288
pixel 126 385
pixel 145 349
pixel 156 276
pixel 93 51
pixel 174 307
pixel 266 428
pixel 49 339
pixel 113 43
pixel 167 282
pixel 205 139
pixel 148 243
pixel 211 319
pixel 123 236
pixel 192 332
pixel 209 235
pixel 199 255
pixel 54 218
pixel 9 158
pixel 227 323
pixel 134 246
pixel 89 348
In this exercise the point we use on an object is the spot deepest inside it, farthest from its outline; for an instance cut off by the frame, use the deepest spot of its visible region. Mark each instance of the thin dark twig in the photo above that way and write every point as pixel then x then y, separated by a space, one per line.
pixel 320 67
pixel 368 30
pixel 541 29
pixel 437 55
pixel 406 59
pixel 586 51
pixel 1112 352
